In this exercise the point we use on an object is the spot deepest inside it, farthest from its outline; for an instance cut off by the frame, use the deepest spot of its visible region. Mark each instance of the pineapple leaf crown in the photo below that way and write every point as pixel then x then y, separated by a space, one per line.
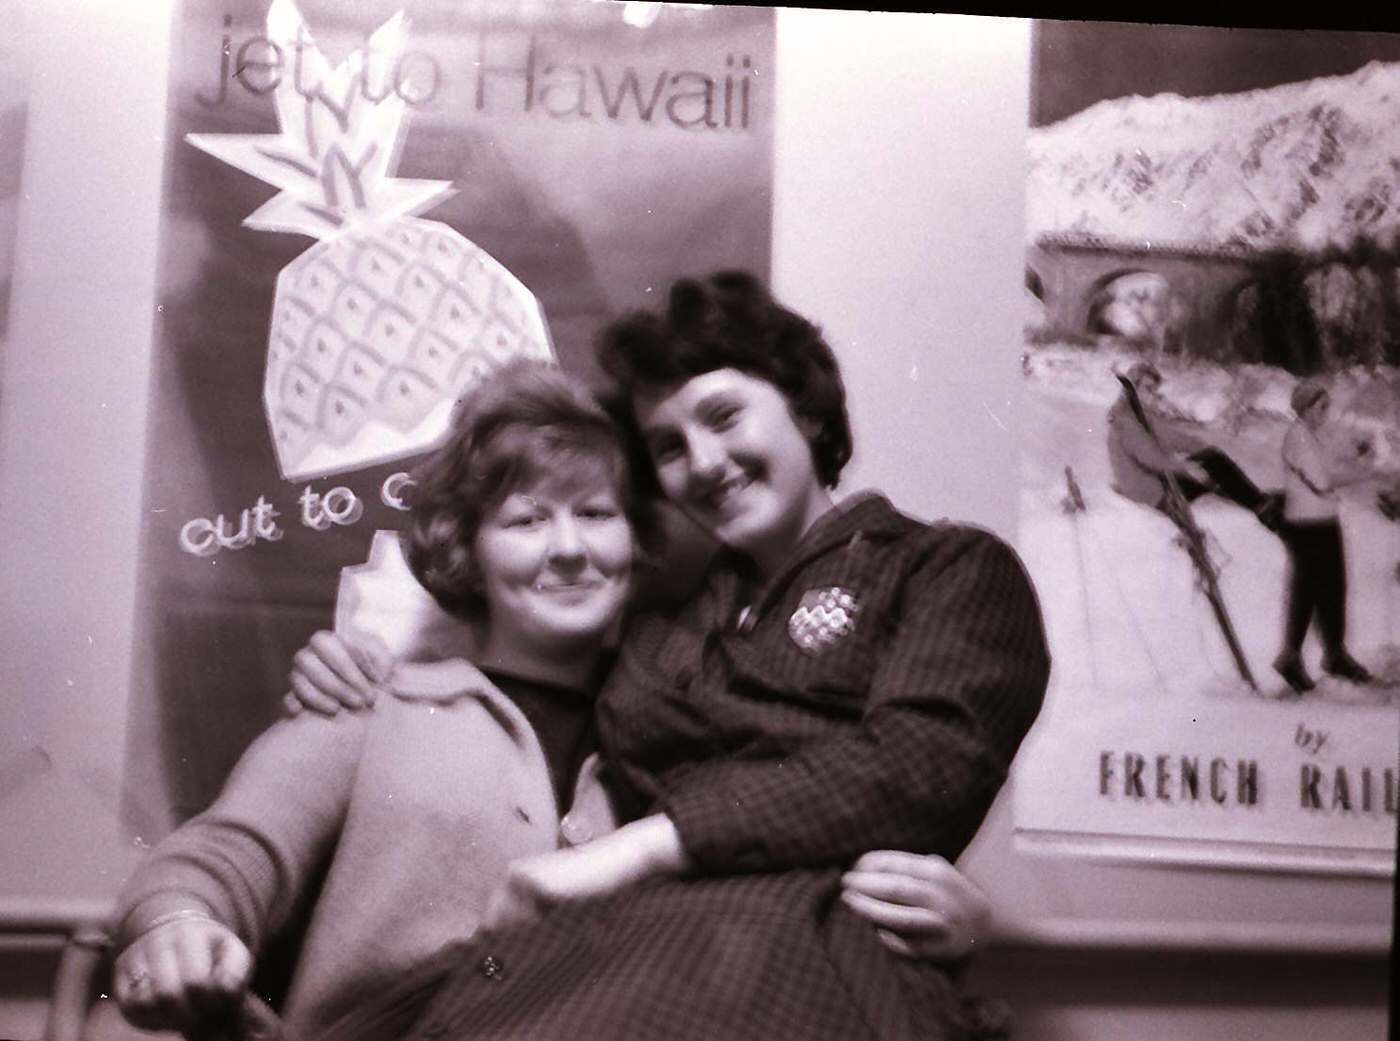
pixel 341 132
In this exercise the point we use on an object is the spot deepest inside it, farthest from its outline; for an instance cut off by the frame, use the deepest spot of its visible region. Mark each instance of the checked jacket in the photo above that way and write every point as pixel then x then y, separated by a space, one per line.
pixel 784 742
pixel 897 735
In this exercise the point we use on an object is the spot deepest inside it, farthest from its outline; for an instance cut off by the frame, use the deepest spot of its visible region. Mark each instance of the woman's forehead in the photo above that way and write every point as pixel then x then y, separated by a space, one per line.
pixel 658 406
pixel 582 477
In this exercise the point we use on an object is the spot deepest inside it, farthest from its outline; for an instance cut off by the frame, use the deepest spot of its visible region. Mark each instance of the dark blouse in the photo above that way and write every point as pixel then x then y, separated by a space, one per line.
pixel 563 721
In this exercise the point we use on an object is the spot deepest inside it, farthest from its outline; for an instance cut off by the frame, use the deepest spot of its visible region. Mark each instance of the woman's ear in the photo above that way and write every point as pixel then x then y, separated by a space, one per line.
pixel 810 428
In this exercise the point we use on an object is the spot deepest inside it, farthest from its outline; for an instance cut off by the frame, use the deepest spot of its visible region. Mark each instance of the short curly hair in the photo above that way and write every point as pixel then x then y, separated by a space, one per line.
pixel 729 320
pixel 525 424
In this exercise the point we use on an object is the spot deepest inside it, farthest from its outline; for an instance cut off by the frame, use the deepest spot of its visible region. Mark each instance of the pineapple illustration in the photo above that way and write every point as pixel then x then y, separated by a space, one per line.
pixel 378 328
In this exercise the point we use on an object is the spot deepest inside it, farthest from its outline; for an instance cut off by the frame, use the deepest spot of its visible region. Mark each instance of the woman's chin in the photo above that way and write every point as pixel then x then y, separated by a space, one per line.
pixel 581 629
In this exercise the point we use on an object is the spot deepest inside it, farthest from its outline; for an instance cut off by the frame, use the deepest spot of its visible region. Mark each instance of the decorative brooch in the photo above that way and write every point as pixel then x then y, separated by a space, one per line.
pixel 823 617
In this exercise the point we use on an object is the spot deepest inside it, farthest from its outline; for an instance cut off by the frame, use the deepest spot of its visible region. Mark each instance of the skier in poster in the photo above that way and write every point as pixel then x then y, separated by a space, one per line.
pixel 1312 533
pixel 1168 469
pixel 1143 454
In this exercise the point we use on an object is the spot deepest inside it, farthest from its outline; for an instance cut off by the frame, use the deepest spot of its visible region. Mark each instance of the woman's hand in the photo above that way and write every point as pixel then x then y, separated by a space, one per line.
pixel 921 906
pixel 1194 471
pixel 182 973
pixel 330 673
pixel 533 885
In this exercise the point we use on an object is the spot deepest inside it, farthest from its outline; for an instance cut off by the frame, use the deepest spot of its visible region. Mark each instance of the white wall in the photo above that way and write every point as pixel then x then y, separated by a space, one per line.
pixel 898 221
pixel 73 382
pixel 72 425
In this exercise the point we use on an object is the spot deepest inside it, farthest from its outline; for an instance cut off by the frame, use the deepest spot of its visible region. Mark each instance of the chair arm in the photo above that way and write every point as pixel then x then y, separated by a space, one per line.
pixel 75 985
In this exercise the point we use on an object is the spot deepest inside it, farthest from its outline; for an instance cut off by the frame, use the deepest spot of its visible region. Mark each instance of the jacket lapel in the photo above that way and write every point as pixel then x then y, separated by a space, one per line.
pixel 866 515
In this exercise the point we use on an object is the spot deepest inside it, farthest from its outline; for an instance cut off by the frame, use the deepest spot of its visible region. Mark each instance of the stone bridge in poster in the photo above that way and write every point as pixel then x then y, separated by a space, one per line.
pixel 1069 272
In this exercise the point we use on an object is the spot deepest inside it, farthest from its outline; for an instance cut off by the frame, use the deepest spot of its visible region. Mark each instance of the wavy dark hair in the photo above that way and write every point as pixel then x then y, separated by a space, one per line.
pixel 729 320
pixel 526 423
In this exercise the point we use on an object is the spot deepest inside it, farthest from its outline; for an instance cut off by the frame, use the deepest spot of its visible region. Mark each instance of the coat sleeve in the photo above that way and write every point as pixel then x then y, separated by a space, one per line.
pixel 248 858
pixel 1139 445
pixel 959 682
pixel 1302 456
pixel 1177 436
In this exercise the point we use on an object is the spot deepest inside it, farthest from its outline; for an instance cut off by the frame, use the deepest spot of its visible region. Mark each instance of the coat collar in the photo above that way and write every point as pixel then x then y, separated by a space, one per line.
pixel 453 680
pixel 863 515
pixel 868 513
pixel 439 682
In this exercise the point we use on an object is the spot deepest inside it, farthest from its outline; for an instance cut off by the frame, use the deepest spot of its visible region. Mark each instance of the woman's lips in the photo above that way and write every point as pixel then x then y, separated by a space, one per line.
pixel 567 589
pixel 722 494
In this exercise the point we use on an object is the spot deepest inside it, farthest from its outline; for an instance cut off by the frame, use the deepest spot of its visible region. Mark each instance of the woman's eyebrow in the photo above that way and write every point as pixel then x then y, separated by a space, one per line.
pixel 715 398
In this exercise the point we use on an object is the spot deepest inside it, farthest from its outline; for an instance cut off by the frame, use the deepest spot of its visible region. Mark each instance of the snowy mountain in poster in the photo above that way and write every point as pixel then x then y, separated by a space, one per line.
pixel 1307 164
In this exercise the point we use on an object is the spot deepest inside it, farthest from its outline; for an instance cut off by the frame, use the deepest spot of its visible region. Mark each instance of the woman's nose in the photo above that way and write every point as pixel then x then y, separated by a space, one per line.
pixel 565 543
pixel 705 456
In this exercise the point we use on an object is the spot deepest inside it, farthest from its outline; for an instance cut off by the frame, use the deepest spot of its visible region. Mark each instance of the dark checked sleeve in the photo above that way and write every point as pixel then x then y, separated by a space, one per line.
pixel 958 683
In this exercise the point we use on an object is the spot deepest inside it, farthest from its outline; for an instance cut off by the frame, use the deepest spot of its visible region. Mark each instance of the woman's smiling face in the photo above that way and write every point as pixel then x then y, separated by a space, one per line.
pixel 555 565
pixel 729 452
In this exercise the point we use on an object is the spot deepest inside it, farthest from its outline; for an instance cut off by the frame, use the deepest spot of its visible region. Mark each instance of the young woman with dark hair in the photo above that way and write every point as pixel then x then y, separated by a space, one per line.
pixel 847 679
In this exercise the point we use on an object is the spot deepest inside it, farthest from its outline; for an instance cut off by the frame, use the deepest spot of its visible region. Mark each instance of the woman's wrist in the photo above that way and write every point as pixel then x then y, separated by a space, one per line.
pixel 158 911
pixel 659 841
pixel 183 914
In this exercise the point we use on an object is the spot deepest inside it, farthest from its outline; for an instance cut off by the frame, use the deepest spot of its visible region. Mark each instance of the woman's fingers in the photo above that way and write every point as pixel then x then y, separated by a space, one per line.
pixel 919 865
pixel 927 907
pixel 914 932
pixel 132 987
pixel 899 917
pixel 901 889
pixel 319 689
pixel 329 674
pixel 344 662
pixel 149 988
pixel 213 963
pixel 181 974
pixel 373 656
pixel 233 964
pixel 169 999
pixel 308 696
pixel 923 881
pixel 896 943
pixel 194 953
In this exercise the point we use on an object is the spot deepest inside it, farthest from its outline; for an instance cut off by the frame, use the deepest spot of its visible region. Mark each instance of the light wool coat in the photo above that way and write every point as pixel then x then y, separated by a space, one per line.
pixel 413 810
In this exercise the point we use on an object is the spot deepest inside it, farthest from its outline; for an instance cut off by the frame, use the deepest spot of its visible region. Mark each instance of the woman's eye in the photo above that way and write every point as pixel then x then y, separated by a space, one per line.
pixel 522 520
pixel 724 418
pixel 598 513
